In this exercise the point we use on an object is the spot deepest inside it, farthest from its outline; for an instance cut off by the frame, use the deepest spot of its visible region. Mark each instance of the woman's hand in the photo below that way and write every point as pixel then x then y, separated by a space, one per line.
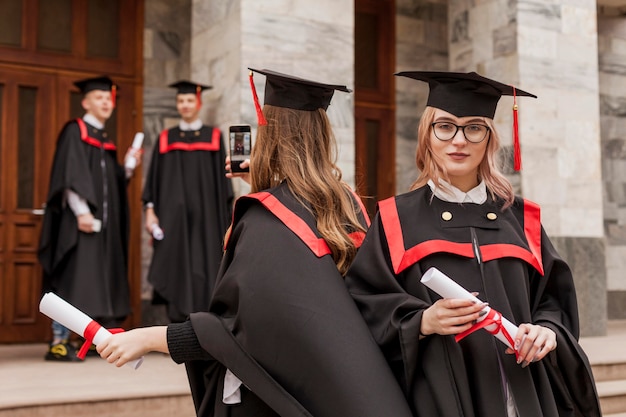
pixel 450 316
pixel 243 175
pixel 124 347
pixel 533 342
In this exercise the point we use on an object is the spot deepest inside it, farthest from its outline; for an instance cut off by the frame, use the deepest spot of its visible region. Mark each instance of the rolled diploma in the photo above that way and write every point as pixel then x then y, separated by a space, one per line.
pixel 131 162
pixel 447 288
pixel 157 232
pixel 69 316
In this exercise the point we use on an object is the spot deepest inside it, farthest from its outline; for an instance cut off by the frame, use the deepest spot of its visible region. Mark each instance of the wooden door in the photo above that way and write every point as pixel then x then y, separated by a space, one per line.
pixel 25 123
pixel 44 47
pixel 375 100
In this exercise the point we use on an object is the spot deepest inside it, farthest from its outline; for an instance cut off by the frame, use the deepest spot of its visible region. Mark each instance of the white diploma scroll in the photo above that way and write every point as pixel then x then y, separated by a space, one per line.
pixel 157 232
pixel 69 316
pixel 447 288
pixel 96 225
pixel 131 161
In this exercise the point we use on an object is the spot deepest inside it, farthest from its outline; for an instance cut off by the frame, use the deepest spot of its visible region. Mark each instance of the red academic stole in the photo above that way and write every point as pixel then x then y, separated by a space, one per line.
pixel 402 257
pixel 165 146
pixel 299 227
pixel 84 136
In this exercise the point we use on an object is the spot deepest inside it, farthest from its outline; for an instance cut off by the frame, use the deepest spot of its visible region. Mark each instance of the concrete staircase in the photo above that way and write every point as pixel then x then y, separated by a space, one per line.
pixel 32 387
pixel 607 355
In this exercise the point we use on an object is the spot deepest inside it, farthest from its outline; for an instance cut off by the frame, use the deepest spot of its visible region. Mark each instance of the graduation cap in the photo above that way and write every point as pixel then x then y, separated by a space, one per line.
pixel 103 83
pixel 282 90
pixel 470 94
pixel 189 87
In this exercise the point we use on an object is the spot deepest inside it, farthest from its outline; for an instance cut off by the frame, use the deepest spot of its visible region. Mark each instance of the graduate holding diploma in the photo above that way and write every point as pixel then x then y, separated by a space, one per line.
pixel 463 218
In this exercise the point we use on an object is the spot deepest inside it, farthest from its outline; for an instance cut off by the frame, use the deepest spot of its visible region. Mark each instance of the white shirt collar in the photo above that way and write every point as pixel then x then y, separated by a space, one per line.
pixel 195 125
pixel 448 192
pixel 92 120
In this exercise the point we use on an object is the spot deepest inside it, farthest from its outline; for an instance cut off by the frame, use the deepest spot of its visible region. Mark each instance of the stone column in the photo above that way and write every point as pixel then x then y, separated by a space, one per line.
pixel 166 60
pixel 421 45
pixel 548 48
pixel 309 39
pixel 612 63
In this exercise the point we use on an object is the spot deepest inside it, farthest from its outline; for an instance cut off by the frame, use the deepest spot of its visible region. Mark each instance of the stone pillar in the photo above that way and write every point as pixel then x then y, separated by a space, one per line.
pixel 166 60
pixel 612 63
pixel 549 49
pixel 421 44
pixel 309 39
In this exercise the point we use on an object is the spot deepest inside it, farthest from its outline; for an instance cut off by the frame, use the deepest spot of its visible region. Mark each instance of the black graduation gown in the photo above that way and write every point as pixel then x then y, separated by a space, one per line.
pixel 282 320
pixel 192 199
pixel 524 279
pixel 89 270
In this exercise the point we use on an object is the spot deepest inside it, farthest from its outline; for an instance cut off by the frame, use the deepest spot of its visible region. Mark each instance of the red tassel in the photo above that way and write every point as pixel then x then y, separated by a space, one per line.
pixel 198 97
pixel 517 152
pixel 113 94
pixel 259 112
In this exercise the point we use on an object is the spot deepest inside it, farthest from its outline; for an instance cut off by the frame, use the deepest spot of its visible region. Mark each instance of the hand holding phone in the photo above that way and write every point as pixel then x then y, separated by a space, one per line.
pixel 240 140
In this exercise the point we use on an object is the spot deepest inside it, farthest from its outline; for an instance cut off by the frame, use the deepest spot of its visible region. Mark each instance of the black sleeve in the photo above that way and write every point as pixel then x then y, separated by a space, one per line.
pixel 183 343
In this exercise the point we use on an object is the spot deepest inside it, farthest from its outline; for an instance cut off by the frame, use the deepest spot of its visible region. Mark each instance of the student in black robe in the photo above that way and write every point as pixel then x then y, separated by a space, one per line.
pixel 281 320
pixel 187 195
pixel 84 238
pixel 463 218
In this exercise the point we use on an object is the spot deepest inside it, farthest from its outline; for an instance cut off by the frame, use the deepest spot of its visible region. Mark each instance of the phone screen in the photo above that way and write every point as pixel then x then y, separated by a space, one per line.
pixel 240 146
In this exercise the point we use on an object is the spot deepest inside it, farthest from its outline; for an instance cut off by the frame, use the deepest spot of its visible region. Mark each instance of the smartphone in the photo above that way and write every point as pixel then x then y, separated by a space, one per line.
pixel 240 146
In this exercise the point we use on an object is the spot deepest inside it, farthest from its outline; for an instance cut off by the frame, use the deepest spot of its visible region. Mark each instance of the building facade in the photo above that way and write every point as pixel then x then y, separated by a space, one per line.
pixel 570 53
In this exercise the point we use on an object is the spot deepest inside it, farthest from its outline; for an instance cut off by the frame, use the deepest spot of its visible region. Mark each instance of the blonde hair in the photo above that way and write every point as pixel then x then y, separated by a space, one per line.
pixel 299 148
pixel 488 170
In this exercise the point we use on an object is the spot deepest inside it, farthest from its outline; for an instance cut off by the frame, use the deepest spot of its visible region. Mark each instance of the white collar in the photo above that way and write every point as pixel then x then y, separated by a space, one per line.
pixel 92 120
pixel 195 125
pixel 448 192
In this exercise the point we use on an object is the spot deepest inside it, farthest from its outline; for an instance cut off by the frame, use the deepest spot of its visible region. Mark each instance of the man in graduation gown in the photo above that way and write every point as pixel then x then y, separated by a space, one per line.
pixel 187 195
pixel 84 239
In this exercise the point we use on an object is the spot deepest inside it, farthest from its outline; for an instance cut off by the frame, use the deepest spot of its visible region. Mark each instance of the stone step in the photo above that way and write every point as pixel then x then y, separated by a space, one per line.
pixel 612 397
pixel 609 371
pixel 162 406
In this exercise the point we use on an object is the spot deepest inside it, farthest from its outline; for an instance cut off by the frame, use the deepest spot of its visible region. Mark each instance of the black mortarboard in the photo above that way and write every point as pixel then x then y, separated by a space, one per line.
pixel 464 94
pixel 103 83
pixel 188 87
pixel 296 93
pixel 470 94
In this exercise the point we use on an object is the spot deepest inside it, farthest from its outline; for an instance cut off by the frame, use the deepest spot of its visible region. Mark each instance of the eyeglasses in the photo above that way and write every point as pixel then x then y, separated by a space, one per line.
pixel 474 133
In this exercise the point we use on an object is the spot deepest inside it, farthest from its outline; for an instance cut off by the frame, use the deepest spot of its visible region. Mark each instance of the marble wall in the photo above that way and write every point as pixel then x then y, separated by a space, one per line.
pixel 612 66
pixel 312 40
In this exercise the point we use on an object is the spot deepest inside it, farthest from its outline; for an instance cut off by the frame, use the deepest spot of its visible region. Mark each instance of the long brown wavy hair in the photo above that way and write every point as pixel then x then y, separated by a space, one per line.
pixel 488 170
pixel 299 148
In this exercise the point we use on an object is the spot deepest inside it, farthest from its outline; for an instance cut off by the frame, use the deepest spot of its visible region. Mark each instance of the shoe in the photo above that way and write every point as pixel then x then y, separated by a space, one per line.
pixel 62 352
